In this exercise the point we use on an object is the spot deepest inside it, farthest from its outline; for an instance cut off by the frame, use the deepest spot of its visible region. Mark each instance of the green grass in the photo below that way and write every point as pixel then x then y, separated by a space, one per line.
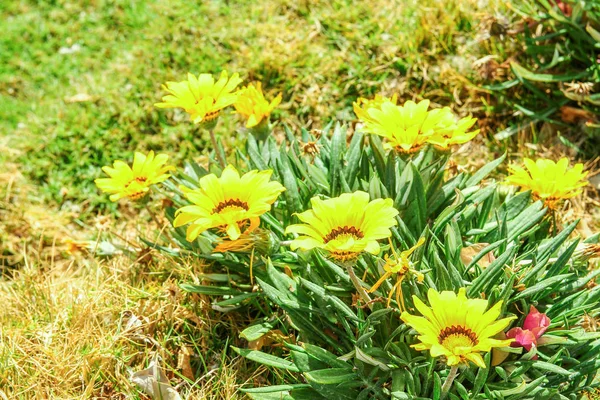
pixel 320 55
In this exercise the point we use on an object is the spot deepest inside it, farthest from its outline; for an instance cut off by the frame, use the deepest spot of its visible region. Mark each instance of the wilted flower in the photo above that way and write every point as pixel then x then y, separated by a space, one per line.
pixel 345 226
pixel 547 180
pixel 201 97
pixel 586 251
pixel 457 327
pixel 252 104
pixel 400 266
pixel 259 240
pixel 134 182
pixel 228 202
pixel 534 326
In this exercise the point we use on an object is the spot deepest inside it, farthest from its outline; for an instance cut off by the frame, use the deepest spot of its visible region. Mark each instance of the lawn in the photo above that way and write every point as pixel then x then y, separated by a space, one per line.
pixel 78 84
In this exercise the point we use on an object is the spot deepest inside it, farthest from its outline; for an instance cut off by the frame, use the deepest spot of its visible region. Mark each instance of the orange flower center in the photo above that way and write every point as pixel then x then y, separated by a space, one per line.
pixel 457 336
pixel 211 115
pixel 230 203
pixel 343 230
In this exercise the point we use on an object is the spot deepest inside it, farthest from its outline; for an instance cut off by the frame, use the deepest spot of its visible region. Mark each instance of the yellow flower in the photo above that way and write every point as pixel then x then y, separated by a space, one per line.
pixel 401 266
pixel 547 180
pixel 363 105
pixel 201 97
pixel 449 132
pixel 409 127
pixel 229 202
pixel 345 226
pixel 457 327
pixel 135 182
pixel 252 104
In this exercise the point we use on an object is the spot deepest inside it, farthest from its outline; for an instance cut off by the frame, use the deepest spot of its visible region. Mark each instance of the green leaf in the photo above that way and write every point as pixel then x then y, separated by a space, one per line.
pixel 331 376
pixel 235 300
pixel 334 301
pixel 482 375
pixel 555 369
pixel 489 275
pixel 208 290
pixel 338 145
pixel 276 388
pixel 524 73
pixel 289 181
pixel 543 285
pixel 266 359
pixel 256 331
pixel 484 171
pixel 353 157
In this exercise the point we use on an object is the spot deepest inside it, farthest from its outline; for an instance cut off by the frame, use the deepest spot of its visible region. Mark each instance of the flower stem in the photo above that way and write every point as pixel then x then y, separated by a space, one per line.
pixel 448 382
pixel 213 139
pixel 361 290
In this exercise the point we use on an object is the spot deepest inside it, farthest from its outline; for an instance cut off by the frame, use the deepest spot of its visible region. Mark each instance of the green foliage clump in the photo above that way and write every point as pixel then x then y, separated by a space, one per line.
pixel 335 345
pixel 555 71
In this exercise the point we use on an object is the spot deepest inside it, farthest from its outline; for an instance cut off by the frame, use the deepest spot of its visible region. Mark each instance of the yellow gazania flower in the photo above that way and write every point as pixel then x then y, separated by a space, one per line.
pixel 362 105
pixel 449 132
pixel 409 127
pixel 345 226
pixel 201 97
pixel 457 327
pixel 547 180
pixel 401 266
pixel 252 104
pixel 134 182
pixel 229 202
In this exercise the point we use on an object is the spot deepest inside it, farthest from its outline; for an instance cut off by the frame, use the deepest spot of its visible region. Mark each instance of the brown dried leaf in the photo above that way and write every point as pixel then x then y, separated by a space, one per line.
pixel 467 254
pixel 572 115
pixel 184 364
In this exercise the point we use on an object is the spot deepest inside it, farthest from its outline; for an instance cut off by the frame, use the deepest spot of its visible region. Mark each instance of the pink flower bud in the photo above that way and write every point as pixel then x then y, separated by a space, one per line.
pixel 534 326
pixel 536 322
pixel 523 338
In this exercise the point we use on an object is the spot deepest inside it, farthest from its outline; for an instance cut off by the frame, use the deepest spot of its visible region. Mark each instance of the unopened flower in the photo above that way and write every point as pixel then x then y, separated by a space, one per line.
pixel 548 181
pixel 134 182
pixel 400 266
pixel 345 226
pixel 201 96
pixel 229 202
pixel 534 326
pixel 252 104
pixel 457 327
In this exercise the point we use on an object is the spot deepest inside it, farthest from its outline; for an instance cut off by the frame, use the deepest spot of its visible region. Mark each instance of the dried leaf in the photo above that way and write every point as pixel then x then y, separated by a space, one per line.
pixel 499 355
pixel 155 383
pixel 184 364
pixel 572 115
pixel 270 339
pixel 468 253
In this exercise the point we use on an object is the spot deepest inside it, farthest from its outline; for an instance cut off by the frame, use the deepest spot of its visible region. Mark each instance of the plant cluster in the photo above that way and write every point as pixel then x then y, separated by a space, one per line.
pixel 376 270
pixel 555 71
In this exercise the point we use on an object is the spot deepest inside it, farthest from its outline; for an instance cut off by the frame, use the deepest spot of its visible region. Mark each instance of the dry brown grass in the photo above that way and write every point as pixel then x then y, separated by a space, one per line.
pixel 73 326
pixel 77 330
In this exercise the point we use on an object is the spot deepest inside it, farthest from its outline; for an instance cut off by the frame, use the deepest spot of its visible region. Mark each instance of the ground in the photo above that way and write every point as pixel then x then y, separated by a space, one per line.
pixel 78 81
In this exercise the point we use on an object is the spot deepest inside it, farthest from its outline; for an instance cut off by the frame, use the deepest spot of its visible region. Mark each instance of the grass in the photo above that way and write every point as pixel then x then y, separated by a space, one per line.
pixel 78 81
pixel 103 64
